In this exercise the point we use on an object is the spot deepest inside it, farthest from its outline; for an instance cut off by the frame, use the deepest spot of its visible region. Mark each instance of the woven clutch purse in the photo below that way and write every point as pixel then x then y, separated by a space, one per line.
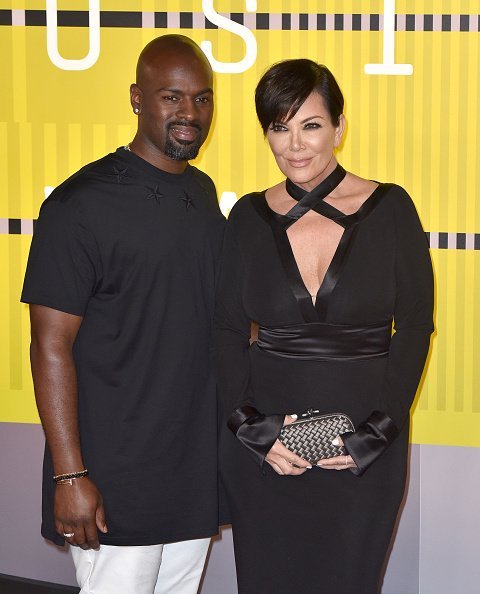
pixel 310 437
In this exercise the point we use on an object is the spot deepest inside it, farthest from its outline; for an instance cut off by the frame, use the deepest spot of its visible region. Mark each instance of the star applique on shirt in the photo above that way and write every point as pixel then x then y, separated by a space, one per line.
pixel 120 173
pixel 188 201
pixel 155 194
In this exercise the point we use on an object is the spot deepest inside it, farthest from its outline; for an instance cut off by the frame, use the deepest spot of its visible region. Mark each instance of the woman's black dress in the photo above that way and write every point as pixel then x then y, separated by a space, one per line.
pixel 324 532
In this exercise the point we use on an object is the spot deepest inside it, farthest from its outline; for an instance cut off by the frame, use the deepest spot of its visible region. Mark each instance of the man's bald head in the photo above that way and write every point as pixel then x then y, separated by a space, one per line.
pixel 162 49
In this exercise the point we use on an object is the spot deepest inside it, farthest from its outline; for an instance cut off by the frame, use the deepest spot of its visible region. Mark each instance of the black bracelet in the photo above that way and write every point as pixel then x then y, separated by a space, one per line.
pixel 70 475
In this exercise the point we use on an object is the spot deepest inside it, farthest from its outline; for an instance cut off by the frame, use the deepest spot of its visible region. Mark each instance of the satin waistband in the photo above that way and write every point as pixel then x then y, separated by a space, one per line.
pixel 319 341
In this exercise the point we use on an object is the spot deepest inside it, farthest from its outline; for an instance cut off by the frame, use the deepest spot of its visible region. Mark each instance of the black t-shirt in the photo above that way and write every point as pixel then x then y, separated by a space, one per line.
pixel 134 250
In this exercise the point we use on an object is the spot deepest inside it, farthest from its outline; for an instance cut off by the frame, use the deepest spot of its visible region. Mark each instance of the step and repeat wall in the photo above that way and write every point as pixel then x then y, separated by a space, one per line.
pixel 409 71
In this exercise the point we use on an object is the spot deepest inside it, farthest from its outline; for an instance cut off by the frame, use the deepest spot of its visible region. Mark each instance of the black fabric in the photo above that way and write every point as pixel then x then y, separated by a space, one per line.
pixel 370 440
pixel 134 250
pixel 314 200
pixel 255 431
pixel 326 342
pixel 330 529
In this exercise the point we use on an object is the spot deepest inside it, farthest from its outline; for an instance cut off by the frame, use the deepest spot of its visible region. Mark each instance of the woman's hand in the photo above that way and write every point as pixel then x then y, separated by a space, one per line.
pixel 337 462
pixel 282 460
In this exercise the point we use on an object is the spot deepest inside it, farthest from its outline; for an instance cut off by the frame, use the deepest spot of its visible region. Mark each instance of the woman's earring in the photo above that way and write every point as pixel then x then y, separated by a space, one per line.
pixel 136 110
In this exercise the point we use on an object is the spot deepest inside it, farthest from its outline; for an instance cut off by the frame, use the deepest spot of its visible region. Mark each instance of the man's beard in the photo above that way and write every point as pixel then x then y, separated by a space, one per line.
pixel 178 151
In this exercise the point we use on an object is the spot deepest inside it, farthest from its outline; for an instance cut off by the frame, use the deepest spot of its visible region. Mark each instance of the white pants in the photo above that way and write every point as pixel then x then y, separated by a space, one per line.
pixel 174 568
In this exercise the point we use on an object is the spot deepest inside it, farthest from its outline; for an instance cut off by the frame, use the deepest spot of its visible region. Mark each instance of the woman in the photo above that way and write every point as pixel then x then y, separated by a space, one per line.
pixel 324 262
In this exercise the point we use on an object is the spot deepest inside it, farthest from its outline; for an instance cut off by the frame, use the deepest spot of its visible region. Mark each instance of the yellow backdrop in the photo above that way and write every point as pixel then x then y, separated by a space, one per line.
pixel 420 130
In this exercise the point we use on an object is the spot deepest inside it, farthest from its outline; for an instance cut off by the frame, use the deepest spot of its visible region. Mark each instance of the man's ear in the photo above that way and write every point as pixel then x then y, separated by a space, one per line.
pixel 136 98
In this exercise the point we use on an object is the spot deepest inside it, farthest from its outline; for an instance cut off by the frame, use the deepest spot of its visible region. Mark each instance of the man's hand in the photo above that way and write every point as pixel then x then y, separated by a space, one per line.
pixel 79 511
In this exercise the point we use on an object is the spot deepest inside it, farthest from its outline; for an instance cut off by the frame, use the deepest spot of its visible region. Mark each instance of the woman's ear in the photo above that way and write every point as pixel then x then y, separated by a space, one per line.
pixel 339 130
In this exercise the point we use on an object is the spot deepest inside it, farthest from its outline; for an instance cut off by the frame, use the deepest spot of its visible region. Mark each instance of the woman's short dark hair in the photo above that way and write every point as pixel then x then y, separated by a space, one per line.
pixel 285 86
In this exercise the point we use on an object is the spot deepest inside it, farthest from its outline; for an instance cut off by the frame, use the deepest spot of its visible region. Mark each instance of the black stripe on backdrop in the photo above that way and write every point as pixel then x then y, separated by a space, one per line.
pixel 263 20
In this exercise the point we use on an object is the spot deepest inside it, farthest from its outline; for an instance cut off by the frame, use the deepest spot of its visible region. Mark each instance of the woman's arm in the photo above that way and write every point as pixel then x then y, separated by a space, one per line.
pixel 413 325
pixel 256 431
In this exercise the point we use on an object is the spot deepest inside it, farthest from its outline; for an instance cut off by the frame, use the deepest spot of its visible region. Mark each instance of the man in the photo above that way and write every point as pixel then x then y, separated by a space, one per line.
pixel 120 282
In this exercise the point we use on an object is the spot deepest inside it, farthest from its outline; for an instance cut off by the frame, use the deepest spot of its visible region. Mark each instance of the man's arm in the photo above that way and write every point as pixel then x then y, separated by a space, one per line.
pixel 78 507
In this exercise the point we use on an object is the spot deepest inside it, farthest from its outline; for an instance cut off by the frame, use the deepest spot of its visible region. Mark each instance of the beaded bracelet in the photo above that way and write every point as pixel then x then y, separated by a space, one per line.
pixel 60 478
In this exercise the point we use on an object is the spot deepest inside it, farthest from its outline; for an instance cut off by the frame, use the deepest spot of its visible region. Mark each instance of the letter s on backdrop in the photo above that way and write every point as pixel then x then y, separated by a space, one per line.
pixel 235 28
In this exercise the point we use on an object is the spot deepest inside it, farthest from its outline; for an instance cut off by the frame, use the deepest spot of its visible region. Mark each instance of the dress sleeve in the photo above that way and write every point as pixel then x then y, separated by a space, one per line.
pixel 256 431
pixel 413 325
pixel 63 265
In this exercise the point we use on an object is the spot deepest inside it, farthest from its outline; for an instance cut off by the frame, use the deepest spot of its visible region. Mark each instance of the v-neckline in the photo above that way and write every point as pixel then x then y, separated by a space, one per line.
pixel 280 223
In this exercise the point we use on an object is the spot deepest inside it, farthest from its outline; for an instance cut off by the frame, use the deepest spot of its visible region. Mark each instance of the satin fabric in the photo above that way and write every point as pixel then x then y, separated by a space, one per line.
pixel 256 431
pixel 323 342
pixel 370 440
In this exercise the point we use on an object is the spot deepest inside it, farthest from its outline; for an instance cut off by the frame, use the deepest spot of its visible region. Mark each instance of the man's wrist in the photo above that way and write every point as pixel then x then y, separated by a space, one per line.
pixel 67 477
